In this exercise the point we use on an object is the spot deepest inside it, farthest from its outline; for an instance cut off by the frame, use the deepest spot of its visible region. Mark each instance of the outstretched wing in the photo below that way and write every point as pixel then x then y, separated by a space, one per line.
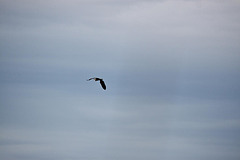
pixel 103 84
pixel 90 79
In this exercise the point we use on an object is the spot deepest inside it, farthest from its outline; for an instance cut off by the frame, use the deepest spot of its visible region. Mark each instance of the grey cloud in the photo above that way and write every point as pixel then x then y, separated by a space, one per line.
pixel 171 69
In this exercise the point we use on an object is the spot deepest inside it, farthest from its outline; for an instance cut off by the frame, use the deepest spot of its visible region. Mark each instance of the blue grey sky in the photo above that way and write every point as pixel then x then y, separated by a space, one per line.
pixel 172 70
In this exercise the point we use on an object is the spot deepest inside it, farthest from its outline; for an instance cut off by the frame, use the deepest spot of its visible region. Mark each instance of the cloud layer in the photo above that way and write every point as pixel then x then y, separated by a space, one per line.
pixel 171 69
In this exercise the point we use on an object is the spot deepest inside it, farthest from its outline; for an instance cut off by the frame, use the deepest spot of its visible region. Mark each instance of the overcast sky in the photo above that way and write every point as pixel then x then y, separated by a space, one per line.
pixel 172 70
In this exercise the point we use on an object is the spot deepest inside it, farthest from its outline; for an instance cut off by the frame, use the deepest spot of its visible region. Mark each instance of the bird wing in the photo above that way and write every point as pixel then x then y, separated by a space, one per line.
pixel 103 84
pixel 90 79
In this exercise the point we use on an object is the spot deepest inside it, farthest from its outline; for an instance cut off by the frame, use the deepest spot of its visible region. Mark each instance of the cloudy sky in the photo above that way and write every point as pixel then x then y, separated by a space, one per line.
pixel 172 69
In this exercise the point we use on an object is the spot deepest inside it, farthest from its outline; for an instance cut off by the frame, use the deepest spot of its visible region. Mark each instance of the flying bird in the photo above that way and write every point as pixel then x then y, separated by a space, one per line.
pixel 101 82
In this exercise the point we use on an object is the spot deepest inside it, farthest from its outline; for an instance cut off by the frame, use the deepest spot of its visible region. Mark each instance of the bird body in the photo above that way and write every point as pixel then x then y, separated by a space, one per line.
pixel 101 82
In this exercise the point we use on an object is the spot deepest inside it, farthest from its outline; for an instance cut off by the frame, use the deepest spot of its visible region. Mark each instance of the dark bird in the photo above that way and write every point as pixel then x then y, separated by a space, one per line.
pixel 101 82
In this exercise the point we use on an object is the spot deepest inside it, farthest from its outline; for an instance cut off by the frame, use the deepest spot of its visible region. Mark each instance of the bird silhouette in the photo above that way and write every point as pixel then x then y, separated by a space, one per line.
pixel 101 82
